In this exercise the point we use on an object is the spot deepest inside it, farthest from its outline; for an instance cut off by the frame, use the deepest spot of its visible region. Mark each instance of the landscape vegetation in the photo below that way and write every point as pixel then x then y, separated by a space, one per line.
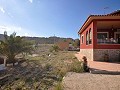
pixel 40 67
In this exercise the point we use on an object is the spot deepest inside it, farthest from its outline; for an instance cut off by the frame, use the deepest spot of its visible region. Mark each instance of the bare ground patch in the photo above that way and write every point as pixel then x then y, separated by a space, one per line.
pixel 87 81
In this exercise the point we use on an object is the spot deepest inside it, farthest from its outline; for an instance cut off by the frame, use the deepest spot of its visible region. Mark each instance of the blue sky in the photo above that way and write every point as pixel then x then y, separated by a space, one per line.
pixel 45 18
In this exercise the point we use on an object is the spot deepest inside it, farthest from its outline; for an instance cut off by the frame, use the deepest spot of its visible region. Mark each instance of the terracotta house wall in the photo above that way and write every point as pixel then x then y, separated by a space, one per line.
pixel 83 45
pixel 96 51
pixel 87 50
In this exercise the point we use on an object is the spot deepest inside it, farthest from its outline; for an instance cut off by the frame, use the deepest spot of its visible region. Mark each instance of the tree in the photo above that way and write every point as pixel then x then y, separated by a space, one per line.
pixel 13 45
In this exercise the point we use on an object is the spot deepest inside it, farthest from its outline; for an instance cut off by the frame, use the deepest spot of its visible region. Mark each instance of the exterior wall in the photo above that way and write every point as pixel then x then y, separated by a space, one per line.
pixel 83 45
pixel 97 51
pixel 88 53
pixel 114 54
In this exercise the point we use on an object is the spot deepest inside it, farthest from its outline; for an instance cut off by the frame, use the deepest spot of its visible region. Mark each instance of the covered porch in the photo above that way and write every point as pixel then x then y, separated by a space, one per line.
pixel 107 40
pixel 108 32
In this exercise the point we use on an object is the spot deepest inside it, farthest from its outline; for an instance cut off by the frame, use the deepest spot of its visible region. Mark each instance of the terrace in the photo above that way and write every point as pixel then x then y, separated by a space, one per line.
pixel 108 32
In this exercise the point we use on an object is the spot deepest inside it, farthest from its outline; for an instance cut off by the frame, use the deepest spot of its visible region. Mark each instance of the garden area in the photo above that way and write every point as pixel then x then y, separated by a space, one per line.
pixel 44 69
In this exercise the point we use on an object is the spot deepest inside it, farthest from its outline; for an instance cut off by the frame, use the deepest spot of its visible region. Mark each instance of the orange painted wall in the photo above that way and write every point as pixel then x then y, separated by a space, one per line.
pixel 83 45
pixel 94 45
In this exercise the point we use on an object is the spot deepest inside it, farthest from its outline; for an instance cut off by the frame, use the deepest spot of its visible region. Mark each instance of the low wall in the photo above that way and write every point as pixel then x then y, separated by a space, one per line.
pixel 114 54
pixel 88 53
pixel 98 54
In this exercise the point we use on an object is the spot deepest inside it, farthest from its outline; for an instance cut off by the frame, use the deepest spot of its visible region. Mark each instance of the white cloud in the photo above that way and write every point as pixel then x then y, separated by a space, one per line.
pixel 26 34
pixel 10 29
pixel 30 1
pixel 2 10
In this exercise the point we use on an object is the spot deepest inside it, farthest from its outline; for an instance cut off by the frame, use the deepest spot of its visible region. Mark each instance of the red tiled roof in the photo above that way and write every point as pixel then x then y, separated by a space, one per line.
pixel 115 13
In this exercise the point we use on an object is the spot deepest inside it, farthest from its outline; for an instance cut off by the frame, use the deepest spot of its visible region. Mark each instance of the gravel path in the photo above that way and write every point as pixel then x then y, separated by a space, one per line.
pixel 87 81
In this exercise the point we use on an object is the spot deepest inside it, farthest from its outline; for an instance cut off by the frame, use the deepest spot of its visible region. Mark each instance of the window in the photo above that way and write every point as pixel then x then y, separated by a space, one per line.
pixel 82 39
pixel 102 36
pixel 87 38
pixel 90 36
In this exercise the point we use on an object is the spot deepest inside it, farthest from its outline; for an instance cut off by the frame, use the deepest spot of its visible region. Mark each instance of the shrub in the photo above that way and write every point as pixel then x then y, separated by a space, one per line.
pixel 54 48
pixel 13 45
pixel 76 67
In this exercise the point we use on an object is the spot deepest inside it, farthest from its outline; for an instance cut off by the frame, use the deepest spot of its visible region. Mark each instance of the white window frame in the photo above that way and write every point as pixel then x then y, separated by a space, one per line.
pixel 87 37
pixel 104 32
pixel 82 37
pixel 115 34
pixel 90 31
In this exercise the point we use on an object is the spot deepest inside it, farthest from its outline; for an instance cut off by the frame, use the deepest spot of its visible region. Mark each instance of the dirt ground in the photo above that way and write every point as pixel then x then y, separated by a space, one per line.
pixel 87 81
pixel 40 71
pixel 43 70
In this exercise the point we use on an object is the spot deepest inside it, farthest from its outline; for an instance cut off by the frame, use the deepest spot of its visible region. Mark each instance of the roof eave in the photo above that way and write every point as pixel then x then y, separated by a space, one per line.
pixel 92 17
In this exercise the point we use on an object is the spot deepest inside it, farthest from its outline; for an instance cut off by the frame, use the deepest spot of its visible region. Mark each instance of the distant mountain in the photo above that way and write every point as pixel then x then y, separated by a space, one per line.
pixel 43 40
pixel 49 40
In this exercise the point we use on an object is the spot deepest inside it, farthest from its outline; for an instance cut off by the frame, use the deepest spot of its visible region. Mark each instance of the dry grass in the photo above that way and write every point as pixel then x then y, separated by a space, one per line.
pixel 41 72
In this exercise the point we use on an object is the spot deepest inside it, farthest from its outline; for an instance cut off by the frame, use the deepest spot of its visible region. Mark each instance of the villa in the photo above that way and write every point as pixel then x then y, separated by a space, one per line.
pixel 100 37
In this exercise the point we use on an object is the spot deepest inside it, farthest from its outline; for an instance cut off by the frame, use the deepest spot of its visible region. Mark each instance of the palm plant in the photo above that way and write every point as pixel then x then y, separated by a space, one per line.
pixel 13 45
pixel 54 48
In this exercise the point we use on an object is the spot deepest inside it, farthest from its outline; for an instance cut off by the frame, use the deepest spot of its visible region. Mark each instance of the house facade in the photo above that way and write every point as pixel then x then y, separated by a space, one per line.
pixel 100 36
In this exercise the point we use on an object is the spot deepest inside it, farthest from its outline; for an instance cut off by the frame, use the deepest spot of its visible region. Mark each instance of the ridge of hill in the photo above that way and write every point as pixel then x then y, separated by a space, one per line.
pixel 44 40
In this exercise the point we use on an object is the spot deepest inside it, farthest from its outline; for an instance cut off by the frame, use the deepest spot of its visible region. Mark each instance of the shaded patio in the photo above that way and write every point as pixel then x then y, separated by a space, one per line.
pixel 101 67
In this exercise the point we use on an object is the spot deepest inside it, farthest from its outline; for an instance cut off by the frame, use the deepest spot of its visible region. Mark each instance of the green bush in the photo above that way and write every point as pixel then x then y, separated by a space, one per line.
pixel 54 48
pixel 76 67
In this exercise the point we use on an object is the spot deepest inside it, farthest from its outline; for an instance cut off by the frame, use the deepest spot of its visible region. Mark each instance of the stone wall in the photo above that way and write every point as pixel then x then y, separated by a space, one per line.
pixel 114 54
pixel 98 54
pixel 88 53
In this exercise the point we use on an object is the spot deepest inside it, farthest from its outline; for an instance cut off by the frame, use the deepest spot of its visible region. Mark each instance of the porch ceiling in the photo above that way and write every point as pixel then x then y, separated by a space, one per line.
pixel 108 24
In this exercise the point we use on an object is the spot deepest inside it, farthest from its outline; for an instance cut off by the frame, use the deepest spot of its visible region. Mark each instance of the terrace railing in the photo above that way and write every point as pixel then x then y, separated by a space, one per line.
pixel 108 41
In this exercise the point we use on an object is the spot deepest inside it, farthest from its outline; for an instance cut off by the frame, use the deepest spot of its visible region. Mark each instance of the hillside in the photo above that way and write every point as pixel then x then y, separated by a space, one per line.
pixel 44 40
pixel 49 40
